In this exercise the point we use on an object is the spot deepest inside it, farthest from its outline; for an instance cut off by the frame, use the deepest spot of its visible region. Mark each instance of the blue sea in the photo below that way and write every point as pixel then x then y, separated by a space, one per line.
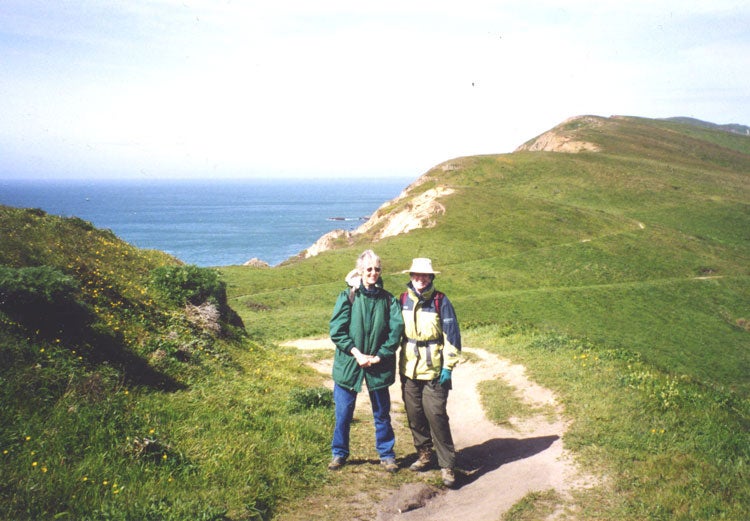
pixel 212 223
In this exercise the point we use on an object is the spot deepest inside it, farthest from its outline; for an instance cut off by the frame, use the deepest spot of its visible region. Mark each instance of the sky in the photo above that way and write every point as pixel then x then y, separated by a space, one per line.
pixel 296 88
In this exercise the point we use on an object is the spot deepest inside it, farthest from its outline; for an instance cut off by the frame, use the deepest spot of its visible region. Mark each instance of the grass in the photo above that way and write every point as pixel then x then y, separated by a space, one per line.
pixel 128 408
pixel 588 269
pixel 230 446
pixel 502 403
pixel 672 447
pixel 535 505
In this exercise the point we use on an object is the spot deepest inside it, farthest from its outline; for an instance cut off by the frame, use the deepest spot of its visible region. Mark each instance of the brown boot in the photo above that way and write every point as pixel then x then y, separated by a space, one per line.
pixel 449 477
pixel 424 459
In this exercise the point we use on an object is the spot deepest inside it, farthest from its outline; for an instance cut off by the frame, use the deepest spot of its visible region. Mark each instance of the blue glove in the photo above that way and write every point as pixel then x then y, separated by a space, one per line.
pixel 445 376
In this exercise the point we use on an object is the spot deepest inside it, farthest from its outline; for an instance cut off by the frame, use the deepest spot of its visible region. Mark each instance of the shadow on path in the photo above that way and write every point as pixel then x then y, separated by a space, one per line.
pixel 477 460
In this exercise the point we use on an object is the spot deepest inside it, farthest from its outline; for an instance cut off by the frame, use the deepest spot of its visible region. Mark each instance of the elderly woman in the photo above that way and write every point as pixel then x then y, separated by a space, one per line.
pixel 430 350
pixel 366 328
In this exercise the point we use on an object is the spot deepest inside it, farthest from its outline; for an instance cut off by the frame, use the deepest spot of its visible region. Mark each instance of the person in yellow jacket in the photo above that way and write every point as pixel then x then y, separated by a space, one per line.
pixel 430 350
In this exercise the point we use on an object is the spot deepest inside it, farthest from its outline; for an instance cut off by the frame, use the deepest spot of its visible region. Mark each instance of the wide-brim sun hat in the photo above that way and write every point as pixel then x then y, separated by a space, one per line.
pixel 421 265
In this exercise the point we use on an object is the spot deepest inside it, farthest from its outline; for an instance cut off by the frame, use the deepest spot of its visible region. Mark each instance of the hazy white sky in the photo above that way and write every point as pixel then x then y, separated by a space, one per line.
pixel 185 88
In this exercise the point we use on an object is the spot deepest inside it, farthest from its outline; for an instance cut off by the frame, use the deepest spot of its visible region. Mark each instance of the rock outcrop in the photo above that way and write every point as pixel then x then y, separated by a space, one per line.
pixel 564 137
pixel 403 214
pixel 256 263
pixel 420 212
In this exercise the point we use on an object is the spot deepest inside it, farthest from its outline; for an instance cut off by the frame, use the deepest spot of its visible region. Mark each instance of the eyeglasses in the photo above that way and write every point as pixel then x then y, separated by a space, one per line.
pixel 377 269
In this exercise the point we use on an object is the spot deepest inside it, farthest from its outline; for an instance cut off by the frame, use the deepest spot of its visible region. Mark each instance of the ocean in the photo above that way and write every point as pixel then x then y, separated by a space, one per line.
pixel 212 223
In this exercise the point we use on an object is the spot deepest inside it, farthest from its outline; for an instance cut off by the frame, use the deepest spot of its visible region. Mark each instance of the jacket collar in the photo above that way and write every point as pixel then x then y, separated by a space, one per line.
pixel 372 291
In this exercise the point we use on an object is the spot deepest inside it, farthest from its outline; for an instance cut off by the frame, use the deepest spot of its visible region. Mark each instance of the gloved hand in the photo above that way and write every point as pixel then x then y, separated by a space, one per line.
pixel 445 376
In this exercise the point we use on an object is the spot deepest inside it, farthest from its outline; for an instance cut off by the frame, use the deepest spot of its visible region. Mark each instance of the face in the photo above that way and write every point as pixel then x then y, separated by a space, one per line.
pixel 370 273
pixel 420 281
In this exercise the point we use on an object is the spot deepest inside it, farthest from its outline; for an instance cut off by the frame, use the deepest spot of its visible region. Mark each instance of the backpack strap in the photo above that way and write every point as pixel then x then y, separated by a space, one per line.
pixel 352 292
pixel 438 299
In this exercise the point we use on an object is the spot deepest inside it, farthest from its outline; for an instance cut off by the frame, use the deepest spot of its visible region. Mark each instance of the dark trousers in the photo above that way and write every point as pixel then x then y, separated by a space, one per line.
pixel 426 402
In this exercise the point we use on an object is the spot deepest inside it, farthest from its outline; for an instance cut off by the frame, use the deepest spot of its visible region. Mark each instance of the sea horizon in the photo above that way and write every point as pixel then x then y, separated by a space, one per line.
pixel 209 223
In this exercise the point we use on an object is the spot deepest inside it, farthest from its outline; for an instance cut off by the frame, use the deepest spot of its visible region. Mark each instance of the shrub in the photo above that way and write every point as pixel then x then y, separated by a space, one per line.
pixel 182 285
pixel 36 288
pixel 42 299
pixel 310 398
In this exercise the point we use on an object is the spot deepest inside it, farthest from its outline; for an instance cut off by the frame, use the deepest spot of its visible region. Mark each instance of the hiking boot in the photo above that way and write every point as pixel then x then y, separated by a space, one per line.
pixel 389 464
pixel 449 478
pixel 424 459
pixel 336 463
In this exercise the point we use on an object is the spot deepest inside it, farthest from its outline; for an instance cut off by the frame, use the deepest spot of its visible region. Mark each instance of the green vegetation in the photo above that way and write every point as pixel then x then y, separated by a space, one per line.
pixel 502 403
pixel 134 387
pixel 130 393
pixel 535 505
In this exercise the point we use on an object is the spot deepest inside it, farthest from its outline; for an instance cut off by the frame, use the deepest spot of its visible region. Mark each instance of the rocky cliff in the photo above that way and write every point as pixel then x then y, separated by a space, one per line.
pixel 412 209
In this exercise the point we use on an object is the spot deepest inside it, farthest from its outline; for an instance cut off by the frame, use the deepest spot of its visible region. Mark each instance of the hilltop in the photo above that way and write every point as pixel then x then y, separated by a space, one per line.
pixel 735 128
pixel 420 204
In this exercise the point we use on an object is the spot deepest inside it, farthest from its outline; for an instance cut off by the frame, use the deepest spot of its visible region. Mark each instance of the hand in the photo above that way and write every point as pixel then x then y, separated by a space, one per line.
pixel 363 360
pixel 445 376
pixel 369 361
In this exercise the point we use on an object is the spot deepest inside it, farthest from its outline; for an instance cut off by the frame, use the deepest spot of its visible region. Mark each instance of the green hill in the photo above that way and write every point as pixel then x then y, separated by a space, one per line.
pixel 129 389
pixel 134 387
pixel 633 254
pixel 644 245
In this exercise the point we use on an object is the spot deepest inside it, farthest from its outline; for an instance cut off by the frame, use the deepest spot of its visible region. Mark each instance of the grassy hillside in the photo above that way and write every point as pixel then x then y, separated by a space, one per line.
pixel 619 278
pixel 129 390
pixel 644 245
pixel 637 255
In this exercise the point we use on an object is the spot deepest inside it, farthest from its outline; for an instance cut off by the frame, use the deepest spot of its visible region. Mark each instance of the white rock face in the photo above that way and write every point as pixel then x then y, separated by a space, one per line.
pixel 420 212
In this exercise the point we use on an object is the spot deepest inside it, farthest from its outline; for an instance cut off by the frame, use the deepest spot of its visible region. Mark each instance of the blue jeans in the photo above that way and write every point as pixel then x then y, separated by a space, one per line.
pixel 345 401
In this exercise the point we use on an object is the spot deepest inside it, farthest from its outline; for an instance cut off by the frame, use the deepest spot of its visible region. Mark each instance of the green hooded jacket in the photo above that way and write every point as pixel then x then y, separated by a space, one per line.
pixel 373 324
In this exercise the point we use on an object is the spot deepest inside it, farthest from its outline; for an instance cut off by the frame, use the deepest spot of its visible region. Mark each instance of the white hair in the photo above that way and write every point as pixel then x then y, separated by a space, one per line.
pixel 367 255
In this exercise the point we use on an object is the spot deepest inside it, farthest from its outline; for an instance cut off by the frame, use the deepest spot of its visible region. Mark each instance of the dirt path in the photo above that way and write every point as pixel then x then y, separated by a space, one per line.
pixel 497 465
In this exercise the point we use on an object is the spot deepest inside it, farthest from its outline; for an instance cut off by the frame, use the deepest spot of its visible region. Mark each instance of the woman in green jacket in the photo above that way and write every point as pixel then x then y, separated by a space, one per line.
pixel 366 327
